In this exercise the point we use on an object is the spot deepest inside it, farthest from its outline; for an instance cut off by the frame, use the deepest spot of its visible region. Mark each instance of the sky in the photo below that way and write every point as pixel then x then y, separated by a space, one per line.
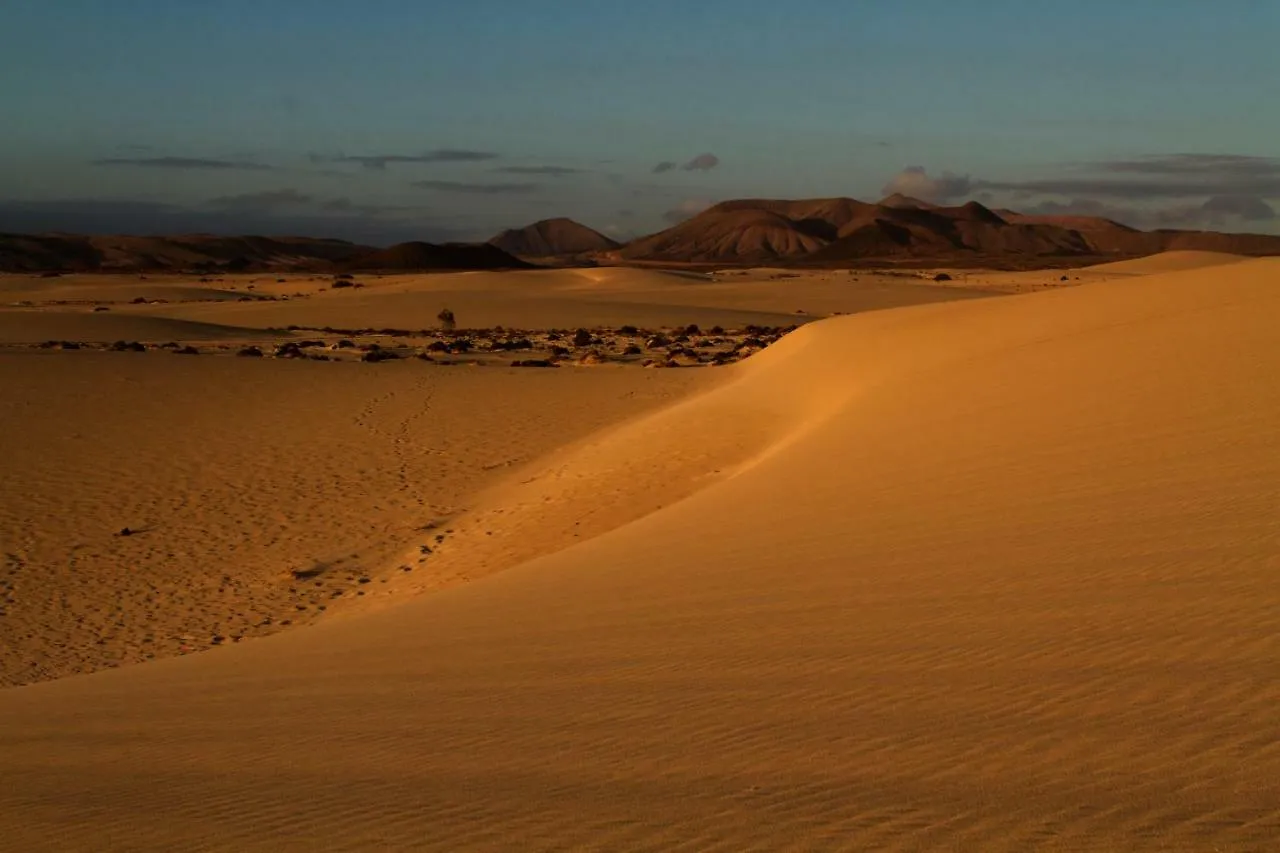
pixel 388 120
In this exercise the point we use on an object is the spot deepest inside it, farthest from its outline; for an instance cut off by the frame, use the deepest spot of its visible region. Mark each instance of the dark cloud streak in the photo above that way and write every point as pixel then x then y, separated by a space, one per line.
pixel 701 163
pixel 107 216
pixel 553 171
pixel 182 163
pixel 1194 164
pixel 379 162
pixel 1167 176
pixel 277 201
pixel 475 189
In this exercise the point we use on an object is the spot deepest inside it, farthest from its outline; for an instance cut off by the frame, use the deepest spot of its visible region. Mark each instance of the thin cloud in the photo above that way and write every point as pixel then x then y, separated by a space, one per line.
pixel 915 181
pixel 262 201
pixel 1195 164
pixel 1157 191
pixel 182 163
pixel 664 166
pixel 684 210
pixel 1246 207
pixel 475 189
pixel 1166 176
pixel 123 216
pixel 553 171
pixel 379 162
pixel 1216 212
pixel 278 201
pixel 1141 189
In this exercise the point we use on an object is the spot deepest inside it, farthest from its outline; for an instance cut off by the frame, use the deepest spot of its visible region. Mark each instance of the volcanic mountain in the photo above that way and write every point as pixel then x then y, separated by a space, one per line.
pixel 551 238
pixel 825 232
pixel 841 231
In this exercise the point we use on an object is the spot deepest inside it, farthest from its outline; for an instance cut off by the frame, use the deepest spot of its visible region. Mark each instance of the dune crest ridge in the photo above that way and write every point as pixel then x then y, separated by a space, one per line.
pixel 994 574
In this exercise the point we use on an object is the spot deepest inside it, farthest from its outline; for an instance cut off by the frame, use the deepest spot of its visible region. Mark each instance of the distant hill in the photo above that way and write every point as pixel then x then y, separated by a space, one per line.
pixel 208 253
pixel 552 238
pixel 106 253
pixel 430 257
pixel 844 231
pixel 835 232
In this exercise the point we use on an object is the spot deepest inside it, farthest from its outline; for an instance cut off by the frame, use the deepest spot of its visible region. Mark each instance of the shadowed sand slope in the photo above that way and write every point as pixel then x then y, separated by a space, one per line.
pixel 25 325
pixel 993 575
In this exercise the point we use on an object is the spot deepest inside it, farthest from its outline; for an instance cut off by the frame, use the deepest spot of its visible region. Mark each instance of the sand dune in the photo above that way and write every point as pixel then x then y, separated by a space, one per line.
pixel 992 575
pixel 234 473
pixel 572 298
pixel 1174 261
pixel 22 325
pixel 84 288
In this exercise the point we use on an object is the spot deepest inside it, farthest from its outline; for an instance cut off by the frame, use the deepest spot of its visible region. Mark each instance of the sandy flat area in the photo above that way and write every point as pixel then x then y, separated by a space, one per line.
pixel 234 476
pixel 990 574
pixel 265 494
pixel 538 299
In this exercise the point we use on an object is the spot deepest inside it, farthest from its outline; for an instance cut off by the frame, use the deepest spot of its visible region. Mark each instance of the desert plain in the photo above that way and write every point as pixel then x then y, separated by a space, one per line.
pixel 748 559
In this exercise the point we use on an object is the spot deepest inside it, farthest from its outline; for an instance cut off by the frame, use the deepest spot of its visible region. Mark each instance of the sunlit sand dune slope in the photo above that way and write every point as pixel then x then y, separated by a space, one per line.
pixel 1175 261
pixel 989 575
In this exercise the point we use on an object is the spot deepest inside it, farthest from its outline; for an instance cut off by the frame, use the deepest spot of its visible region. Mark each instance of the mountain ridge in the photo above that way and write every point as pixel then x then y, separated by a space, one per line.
pixel 843 231
pixel 836 231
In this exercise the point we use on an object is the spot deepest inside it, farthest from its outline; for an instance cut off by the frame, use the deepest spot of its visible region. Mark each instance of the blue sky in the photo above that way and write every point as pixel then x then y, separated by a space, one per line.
pixel 387 119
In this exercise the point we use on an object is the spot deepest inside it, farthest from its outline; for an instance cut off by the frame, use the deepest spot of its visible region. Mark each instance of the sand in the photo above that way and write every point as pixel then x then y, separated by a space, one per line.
pixel 1177 261
pixel 539 299
pixel 262 495
pixel 993 574
pixel 232 474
